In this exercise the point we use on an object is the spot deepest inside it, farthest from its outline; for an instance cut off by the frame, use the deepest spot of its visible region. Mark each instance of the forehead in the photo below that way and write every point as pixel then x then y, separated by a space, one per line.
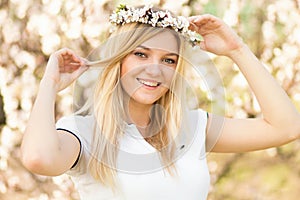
pixel 165 41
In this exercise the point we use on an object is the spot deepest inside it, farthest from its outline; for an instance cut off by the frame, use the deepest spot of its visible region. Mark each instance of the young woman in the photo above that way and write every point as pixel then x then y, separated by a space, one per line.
pixel 139 140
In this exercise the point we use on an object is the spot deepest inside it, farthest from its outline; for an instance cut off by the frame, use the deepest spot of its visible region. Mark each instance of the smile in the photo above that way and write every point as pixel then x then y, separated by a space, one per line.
pixel 148 82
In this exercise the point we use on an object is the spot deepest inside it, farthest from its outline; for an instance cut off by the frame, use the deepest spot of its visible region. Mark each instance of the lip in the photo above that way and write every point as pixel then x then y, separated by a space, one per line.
pixel 148 83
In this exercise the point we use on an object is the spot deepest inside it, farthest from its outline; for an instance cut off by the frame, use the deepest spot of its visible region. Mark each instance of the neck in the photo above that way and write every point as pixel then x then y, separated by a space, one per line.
pixel 137 113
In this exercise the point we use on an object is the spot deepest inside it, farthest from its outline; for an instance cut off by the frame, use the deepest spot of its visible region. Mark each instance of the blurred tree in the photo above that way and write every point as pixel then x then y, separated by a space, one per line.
pixel 2 113
pixel 30 30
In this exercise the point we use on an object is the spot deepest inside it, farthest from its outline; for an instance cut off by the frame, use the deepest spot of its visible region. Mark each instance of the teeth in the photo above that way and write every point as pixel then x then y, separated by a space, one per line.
pixel 148 83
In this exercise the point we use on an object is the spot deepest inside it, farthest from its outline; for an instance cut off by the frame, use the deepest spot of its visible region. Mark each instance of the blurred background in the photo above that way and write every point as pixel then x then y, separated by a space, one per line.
pixel 30 30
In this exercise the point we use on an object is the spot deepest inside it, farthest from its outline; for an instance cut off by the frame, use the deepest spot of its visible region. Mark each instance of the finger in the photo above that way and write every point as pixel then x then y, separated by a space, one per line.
pixel 69 68
pixel 197 22
pixel 193 27
pixel 66 56
pixel 65 53
pixel 82 61
pixel 73 58
pixel 201 20
pixel 192 18
pixel 75 74
pixel 202 46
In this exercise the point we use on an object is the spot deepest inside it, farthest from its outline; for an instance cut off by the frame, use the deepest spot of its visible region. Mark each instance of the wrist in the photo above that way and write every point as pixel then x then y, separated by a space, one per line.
pixel 49 85
pixel 238 52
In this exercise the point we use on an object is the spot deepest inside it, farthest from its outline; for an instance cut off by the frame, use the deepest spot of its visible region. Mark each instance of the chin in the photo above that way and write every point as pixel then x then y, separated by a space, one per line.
pixel 145 101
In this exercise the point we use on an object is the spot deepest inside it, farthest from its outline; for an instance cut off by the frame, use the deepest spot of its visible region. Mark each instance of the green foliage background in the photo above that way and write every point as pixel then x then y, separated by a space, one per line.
pixel 30 30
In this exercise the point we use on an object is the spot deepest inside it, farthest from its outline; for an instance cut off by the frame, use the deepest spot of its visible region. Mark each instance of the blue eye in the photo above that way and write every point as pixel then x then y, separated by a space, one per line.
pixel 169 61
pixel 140 54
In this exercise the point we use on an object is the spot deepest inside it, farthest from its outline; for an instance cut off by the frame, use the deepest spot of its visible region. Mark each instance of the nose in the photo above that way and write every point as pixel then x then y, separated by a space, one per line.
pixel 154 68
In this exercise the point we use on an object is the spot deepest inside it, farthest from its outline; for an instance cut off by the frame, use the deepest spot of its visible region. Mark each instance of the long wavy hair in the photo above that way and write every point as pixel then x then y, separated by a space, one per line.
pixel 107 104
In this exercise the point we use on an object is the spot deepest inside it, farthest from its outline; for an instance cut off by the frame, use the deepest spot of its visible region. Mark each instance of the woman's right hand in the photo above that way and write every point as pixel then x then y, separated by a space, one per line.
pixel 63 67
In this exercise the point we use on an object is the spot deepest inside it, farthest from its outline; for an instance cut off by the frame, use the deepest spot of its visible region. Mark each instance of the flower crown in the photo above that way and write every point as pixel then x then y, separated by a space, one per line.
pixel 163 19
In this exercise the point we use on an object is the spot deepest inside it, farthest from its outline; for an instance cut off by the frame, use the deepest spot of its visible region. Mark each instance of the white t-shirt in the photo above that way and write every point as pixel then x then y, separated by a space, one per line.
pixel 140 173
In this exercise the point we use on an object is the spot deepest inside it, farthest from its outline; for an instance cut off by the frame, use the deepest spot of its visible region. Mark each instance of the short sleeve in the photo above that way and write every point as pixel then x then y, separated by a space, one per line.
pixel 202 127
pixel 82 128
pixel 195 126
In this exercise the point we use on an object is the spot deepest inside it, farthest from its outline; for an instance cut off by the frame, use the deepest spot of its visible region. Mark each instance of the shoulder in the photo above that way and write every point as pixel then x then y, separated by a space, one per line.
pixel 75 122
pixel 197 113
pixel 193 131
pixel 195 122
pixel 196 118
pixel 81 126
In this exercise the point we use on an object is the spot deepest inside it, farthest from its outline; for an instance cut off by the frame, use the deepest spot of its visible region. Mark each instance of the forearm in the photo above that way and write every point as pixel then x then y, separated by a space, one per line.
pixel 276 106
pixel 40 138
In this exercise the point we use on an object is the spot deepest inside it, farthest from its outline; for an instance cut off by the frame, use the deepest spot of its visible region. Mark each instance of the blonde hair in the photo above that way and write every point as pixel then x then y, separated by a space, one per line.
pixel 108 109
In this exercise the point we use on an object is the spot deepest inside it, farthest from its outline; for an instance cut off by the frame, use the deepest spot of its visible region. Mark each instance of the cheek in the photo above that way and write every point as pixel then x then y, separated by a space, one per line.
pixel 169 74
pixel 126 65
pixel 129 67
pixel 128 80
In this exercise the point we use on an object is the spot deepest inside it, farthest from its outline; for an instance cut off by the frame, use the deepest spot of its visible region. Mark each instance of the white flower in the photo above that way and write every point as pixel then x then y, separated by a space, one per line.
pixel 163 19
pixel 135 16
pixel 161 14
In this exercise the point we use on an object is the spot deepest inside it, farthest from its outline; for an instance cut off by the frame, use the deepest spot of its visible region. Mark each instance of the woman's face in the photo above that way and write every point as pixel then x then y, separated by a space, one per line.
pixel 147 71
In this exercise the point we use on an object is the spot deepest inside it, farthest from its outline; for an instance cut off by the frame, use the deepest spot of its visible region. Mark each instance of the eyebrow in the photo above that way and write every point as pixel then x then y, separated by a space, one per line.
pixel 149 49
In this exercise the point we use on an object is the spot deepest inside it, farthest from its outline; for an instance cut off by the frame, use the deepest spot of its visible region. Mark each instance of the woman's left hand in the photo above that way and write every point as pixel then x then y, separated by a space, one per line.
pixel 218 37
